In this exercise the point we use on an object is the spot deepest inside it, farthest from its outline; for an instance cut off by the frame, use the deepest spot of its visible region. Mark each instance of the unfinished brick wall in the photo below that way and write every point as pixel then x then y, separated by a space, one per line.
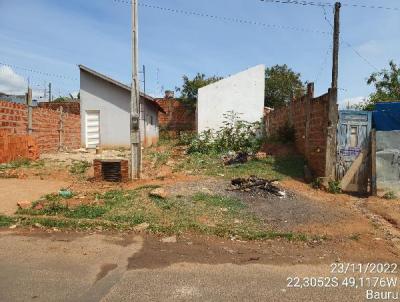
pixel 73 107
pixel 16 146
pixel 46 126
pixel 178 117
pixel 13 117
pixel 311 120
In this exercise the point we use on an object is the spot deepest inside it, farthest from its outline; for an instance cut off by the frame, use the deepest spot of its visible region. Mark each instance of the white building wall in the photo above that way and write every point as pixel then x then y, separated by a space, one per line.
pixel 242 93
pixel 113 102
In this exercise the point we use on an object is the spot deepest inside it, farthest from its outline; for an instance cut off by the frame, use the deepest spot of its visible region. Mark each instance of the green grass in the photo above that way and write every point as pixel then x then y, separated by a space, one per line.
pixel 271 167
pixel 159 158
pixel 22 163
pixel 6 221
pixel 79 167
pixel 124 209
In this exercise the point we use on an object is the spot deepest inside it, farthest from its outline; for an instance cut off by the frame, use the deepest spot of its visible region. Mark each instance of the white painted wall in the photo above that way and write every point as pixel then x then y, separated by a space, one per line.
pixel 113 102
pixel 242 93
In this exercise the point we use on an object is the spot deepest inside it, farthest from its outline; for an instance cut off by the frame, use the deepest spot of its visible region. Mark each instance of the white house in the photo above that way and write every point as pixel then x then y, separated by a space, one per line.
pixel 242 93
pixel 105 112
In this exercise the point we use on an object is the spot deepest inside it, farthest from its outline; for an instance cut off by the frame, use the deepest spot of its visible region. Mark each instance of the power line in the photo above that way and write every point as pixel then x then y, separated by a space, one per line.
pixel 60 76
pixel 323 4
pixel 226 19
pixel 359 54
pixel 349 45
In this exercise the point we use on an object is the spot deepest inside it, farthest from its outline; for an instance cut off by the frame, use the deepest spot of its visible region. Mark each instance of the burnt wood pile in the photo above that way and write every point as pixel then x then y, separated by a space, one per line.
pixel 254 182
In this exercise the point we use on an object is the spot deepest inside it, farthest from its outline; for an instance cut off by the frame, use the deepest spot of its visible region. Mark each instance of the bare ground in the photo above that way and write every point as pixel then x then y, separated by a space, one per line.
pixel 367 226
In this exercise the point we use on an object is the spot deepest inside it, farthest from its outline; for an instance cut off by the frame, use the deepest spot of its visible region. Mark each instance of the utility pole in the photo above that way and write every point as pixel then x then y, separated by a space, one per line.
pixel 336 34
pixel 136 149
pixel 144 79
pixel 49 92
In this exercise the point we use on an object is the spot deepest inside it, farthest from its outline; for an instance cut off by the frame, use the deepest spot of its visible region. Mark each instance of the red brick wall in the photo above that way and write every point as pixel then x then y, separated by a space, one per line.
pixel 16 146
pixel 45 123
pixel 13 117
pixel 310 119
pixel 68 107
pixel 179 116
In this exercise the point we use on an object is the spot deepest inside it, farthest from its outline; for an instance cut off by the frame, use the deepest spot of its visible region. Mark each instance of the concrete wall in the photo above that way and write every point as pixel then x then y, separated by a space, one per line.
pixel 388 161
pixel 113 102
pixel 242 93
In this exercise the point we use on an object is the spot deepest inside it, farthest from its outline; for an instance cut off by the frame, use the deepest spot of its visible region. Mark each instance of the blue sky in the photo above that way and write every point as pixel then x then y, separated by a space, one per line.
pixel 54 36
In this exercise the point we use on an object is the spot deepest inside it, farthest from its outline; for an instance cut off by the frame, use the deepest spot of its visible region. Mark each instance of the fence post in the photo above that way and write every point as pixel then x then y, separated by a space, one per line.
pixel 374 189
pixel 29 104
pixel 309 97
pixel 61 130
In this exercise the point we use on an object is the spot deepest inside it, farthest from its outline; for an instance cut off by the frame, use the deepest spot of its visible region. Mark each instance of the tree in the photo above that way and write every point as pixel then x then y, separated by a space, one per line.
pixel 387 86
pixel 190 88
pixel 281 85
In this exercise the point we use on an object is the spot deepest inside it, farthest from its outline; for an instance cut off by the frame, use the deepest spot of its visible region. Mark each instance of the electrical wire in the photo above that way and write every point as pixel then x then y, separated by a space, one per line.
pixel 323 4
pixel 226 19
pixel 54 75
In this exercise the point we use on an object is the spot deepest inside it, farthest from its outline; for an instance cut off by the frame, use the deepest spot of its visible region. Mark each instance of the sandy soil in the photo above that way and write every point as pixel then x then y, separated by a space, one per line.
pixel 15 190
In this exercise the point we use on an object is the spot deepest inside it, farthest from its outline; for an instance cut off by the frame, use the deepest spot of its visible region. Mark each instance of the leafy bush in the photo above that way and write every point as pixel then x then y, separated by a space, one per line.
pixel 334 187
pixel 185 138
pixel 316 183
pixel 234 135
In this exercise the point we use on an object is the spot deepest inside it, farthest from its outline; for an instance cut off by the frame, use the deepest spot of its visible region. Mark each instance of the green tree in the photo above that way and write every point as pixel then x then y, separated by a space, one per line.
pixel 190 87
pixel 387 86
pixel 281 85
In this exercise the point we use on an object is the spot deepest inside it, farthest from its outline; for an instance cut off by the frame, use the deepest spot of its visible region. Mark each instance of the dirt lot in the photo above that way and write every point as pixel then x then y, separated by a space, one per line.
pixel 207 217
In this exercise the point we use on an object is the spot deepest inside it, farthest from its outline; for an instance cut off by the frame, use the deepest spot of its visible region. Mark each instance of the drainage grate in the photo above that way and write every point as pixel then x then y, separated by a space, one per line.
pixel 111 171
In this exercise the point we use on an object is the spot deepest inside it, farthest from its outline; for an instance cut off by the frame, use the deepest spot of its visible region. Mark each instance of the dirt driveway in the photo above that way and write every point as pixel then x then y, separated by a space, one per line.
pixel 15 190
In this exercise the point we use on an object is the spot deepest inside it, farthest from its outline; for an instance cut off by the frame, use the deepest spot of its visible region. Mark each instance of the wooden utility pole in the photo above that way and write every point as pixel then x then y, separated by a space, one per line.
pixel 136 149
pixel 336 36
pixel 373 163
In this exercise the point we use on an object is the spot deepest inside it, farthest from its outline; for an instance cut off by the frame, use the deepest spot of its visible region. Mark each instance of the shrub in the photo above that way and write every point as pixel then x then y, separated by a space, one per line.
pixel 316 183
pixel 334 187
pixel 234 135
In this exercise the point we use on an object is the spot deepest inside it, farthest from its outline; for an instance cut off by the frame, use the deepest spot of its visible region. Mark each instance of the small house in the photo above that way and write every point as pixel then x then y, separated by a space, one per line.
pixel 105 112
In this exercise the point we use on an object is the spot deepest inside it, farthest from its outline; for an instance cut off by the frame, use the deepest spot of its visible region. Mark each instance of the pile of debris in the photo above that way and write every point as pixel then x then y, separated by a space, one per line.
pixel 255 183
pixel 241 157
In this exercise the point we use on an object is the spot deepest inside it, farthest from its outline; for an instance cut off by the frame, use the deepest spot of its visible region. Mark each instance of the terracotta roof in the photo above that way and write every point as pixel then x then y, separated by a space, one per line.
pixel 119 84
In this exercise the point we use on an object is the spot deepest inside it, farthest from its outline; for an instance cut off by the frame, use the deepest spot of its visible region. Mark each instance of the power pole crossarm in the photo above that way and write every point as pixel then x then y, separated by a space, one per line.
pixel 336 34
pixel 136 150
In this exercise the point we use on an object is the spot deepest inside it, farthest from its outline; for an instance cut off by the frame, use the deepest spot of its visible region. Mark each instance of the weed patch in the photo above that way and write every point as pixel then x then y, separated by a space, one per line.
pixel 6 221
pixel 22 163
pixel 79 167
pixel 390 195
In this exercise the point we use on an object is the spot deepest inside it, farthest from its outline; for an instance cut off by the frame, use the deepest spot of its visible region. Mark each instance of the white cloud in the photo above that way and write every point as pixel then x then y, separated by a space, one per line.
pixel 15 84
pixel 11 82
pixel 346 103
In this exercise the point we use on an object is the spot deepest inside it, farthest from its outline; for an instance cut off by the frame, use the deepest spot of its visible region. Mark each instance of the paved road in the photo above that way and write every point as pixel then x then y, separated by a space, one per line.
pixel 70 267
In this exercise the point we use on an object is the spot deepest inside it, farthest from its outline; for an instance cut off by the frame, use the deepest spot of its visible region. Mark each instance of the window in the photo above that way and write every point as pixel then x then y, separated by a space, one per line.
pixel 353 137
pixel 151 120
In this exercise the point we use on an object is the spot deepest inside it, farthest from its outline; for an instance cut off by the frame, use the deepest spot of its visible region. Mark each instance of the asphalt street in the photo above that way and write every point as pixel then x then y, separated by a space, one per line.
pixel 94 267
